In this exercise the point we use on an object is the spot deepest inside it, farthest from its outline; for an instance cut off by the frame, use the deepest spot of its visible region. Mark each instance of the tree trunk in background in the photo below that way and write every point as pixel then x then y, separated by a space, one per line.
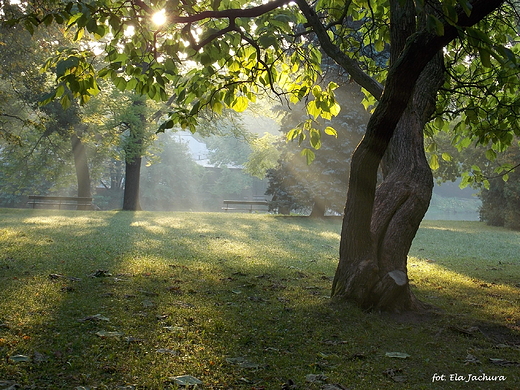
pixel 134 150
pixel 132 180
pixel 318 209
pixel 81 165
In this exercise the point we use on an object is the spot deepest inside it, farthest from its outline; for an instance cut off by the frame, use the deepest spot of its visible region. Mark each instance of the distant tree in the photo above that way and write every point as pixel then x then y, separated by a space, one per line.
pixel 26 85
pixel 171 180
pixel 134 123
pixel 495 175
pixel 501 200
pixel 264 155
pixel 322 185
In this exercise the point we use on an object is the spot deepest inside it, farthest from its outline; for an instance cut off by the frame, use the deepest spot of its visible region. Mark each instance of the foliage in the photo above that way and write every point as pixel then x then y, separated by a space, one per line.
pixel 43 169
pixel 479 103
pixel 115 299
pixel 171 180
pixel 240 52
pixel 501 201
pixel 494 174
pixel 264 156
pixel 296 185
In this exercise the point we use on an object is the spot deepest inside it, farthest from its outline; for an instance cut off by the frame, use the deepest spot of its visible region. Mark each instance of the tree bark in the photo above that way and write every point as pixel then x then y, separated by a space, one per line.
pixel 134 149
pixel 131 199
pixel 81 165
pixel 376 278
pixel 378 229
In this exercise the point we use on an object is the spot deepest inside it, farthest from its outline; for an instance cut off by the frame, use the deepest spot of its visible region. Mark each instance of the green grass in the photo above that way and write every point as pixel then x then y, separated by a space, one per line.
pixel 241 301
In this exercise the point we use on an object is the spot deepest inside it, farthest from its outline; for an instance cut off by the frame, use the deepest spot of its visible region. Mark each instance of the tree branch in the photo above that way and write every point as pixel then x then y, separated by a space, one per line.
pixel 252 12
pixel 334 52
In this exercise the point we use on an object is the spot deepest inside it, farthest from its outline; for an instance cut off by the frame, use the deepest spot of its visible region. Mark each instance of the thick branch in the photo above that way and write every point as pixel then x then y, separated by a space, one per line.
pixel 334 52
pixel 252 12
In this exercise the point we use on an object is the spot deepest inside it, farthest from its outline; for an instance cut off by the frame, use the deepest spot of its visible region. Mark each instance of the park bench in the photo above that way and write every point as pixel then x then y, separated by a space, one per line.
pixel 60 202
pixel 248 205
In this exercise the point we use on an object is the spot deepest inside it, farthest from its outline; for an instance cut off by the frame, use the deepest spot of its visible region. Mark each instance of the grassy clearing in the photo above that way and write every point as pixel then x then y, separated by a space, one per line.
pixel 115 300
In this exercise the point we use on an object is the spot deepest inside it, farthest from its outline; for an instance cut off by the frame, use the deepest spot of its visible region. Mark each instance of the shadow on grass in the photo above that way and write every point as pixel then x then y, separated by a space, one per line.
pixel 238 301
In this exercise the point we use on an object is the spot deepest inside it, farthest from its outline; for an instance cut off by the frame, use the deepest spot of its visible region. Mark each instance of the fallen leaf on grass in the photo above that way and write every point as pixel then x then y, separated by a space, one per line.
pixel 9 385
pixel 242 362
pixel 100 273
pixel 334 387
pixel 105 334
pixel 130 339
pixel 504 363
pixel 94 318
pixel 334 342
pixel 174 328
pixel 394 374
pixel 397 355
pixel 315 378
pixel 289 385
pixel 39 357
pixel 149 293
pixel 186 380
pixel 174 289
pixel 19 359
pixel 184 305
pixel 60 276
pixel 168 351
pixel 468 330
pixel 470 359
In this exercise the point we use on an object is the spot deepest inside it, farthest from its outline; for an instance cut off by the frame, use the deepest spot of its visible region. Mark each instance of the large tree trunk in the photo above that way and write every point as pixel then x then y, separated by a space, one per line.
pixel 374 274
pixel 81 165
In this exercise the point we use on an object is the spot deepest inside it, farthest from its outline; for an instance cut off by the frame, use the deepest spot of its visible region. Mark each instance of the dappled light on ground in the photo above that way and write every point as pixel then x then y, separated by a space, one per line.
pixel 238 302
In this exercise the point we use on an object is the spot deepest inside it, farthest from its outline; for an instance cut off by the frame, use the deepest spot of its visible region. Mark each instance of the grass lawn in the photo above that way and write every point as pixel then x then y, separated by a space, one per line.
pixel 122 300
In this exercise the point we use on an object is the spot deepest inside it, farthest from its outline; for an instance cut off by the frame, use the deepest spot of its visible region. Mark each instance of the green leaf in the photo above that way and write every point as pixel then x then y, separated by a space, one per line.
pixel 313 109
pixel 491 155
pixel 65 101
pixel 293 134
pixel 120 83
pixel 446 156
pixel 335 109
pixel 434 24
pixel 240 104
pixel 315 138
pixel 485 57
pixel 331 131
pixel 434 162
pixel 466 6
pixel 309 155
